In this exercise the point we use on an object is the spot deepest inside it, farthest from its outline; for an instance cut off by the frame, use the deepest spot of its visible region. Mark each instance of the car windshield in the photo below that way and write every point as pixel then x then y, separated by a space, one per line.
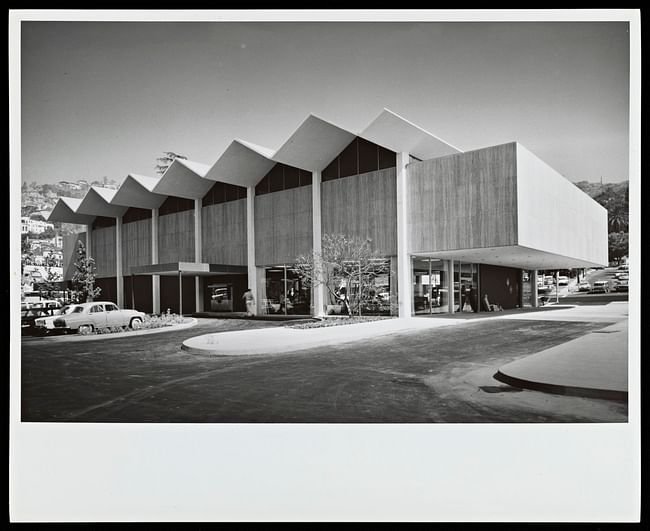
pixel 76 309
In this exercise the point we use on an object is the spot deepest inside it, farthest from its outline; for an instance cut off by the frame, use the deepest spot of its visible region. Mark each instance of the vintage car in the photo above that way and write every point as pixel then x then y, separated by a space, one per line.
pixel 90 316
pixel 584 286
pixel 28 317
pixel 600 286
pixel 621 283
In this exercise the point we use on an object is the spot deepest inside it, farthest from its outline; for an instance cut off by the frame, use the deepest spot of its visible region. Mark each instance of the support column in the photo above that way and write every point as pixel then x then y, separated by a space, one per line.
pixel 198 252
pixel 155 279
pixel 452 292
pixel 180 293
pixel 119 276
pixel 318 291
pixel 89 241
pixel 89 229
pixel 404 269
pixel 250 244
pixel 534 294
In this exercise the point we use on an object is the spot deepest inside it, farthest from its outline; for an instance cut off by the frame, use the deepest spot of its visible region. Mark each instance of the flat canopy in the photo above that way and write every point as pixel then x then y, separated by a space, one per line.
pixel 516 256
pixel 313 145
pixel 393 132
pixel 136 191
pixel 96 202
pixel 65 211
pixel 184 178
pixel 187 268
pixel 243 164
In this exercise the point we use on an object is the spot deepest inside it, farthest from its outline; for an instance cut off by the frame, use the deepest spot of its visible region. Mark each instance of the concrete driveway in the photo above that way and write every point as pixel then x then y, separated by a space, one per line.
pixel 434 375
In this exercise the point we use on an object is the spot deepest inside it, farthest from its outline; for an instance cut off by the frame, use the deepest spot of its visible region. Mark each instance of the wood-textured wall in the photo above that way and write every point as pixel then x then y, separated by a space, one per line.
pixel 463 201
pixel 102 242
pixel 224 233
pixel 176 237
pixel 283 226
pixel 136 244
pixel 70 253
pixel 363 206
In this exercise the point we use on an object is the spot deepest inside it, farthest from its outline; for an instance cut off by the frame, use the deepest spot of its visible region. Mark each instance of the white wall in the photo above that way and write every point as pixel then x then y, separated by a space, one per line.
pixel 555 216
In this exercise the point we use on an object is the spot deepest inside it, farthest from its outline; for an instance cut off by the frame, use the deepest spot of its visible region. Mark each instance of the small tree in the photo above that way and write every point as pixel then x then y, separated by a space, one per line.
pixel 347 262
pixel 618 246
pixel 83 278
pixel 164 161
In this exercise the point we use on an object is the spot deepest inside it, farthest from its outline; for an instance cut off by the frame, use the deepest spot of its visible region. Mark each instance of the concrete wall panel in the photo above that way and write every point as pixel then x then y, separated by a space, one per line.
pixel 555 215
pixel 463 201
pixel 363 206
pixel 103 251
pixel 224 233
pixel 176 237
pixel 136 244
pixel 283 226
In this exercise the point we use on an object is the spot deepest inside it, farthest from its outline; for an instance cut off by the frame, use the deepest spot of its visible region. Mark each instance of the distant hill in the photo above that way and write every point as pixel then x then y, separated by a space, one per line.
pixel 596 190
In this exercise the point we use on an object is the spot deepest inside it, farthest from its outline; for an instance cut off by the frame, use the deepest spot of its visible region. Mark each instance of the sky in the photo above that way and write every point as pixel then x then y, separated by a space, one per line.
pixel 107 98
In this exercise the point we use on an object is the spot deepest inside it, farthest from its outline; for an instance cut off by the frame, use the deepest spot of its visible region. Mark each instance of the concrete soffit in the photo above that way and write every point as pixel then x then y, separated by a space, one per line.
pixel 97 202
pixel 65 211
pixel 393 132
pixel 185 179
pixel 136 191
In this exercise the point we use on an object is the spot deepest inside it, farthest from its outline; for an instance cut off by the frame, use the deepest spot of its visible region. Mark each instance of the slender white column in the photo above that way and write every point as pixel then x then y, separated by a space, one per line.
pixel 89 240
pixel 119 276
pixel 155 279
pixel 404 273
pixel 534 293
pixel 452 293
pixel 318 291
pixel 250 243
pixel 198 252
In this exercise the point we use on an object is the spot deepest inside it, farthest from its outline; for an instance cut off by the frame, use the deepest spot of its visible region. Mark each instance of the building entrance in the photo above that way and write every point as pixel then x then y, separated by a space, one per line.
pixel 444 286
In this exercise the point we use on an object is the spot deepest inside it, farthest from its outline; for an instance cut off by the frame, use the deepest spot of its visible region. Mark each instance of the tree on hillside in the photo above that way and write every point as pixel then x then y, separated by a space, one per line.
pixel 83 278
pixel 344 262
pixel 618 246
pixel 50 284
pixel 617 213
pixel 167 158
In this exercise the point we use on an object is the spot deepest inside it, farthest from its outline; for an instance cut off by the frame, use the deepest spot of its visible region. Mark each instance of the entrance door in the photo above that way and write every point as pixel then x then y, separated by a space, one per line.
pixel 220 297
pixel 466 287
pixel 431 285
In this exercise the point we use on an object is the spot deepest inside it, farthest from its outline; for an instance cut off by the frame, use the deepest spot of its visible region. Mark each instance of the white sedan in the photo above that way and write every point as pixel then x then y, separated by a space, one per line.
pixel 90 316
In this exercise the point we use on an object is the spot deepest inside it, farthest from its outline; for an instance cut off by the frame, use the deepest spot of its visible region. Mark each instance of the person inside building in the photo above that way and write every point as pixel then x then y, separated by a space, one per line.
pixel 490 307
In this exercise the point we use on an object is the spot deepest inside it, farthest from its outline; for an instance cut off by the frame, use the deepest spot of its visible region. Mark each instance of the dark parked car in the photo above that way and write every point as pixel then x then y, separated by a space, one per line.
pixel 28 317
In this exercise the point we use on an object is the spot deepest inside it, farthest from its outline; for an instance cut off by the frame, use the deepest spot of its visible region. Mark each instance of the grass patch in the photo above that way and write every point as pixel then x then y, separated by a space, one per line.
pixel 338 321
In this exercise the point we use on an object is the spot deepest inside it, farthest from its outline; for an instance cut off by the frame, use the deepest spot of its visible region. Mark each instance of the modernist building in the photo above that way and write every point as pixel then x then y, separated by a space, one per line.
pixel 193 239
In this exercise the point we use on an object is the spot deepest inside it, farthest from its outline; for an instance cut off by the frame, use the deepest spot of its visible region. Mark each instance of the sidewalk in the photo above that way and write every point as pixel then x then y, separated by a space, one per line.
pixel 594 365
pixel 284 339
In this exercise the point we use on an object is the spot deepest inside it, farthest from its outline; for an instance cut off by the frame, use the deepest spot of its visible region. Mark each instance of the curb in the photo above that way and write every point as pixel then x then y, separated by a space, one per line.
pixel 130 333
pixel 556 389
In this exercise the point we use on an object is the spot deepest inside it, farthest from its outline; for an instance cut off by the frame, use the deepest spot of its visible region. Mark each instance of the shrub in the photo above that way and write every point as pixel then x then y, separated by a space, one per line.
pixel 149 322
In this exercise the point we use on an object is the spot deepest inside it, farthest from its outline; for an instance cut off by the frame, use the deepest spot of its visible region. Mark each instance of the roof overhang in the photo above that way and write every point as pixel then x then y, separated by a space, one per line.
pixel 313 145
pixel 97 202
pixel 516 256
pixel 393 132
pixel 136 191
pixel 65 211
pixel 184 178
pixel 243 164
pixel 188 269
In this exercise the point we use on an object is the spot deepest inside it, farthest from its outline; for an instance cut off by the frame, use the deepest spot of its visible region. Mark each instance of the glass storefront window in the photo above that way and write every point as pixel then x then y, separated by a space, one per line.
pixel 285 293
pixel 431 285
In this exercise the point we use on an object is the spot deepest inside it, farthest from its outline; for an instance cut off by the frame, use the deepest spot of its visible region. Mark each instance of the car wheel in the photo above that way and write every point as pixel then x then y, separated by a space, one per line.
pixel 86 329
pixel 136 323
